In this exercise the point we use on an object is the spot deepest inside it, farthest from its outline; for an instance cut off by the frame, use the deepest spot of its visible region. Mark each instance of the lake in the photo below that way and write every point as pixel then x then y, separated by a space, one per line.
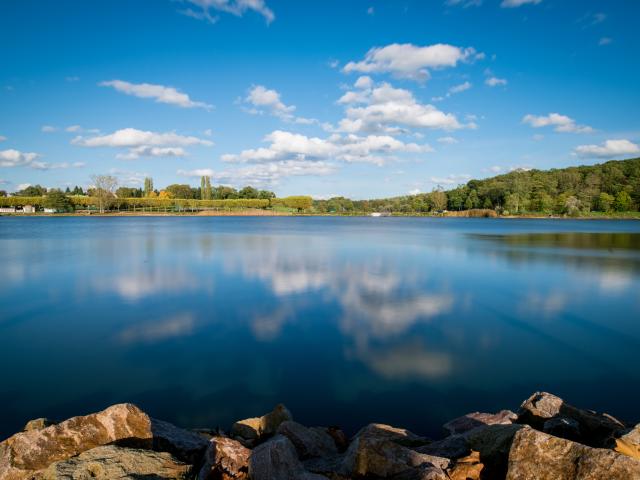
pixel 409 321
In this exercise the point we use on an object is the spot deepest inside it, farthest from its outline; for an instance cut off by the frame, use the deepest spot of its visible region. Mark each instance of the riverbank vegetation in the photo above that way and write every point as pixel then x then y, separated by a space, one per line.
pixel 611 189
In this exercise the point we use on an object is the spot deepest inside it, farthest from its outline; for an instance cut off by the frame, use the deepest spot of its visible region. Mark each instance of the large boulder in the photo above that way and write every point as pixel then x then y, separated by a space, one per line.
pixel 225 459
pixel 383 451
pixel 309 442
pixel 252 430
pixel 37 424
pixel 475 420
pixel 276 459
pixel 123 425
pixel 467 468
pixel 111 462
pixel 595 429
pixel 535 455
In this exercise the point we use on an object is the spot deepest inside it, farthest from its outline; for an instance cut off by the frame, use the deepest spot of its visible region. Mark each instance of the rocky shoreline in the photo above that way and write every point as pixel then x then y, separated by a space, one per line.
pixel 546 438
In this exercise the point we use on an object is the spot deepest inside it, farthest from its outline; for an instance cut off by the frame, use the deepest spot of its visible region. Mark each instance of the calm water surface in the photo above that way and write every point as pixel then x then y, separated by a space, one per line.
pixel 202 321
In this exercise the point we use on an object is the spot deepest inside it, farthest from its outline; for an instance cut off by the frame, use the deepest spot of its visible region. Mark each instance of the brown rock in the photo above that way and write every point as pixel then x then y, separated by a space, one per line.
pixel 276 459
pixel 111 462
pixel 453 446
pixel 251 430
pixel 596 429
pixel 629 443
pixel 467 468
pixel 225 459
pixel 537 456
pixel 474 420
pixel 37 424
pixel 339 438
pixel 122 424
pixel 379 450
pixel 309 442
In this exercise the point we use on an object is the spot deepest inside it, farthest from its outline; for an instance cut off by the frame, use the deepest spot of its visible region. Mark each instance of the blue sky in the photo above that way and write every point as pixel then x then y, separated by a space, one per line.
pixel 357 98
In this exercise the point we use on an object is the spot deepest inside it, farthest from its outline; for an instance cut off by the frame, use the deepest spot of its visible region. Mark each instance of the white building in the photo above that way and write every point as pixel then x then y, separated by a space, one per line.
pixel 7 209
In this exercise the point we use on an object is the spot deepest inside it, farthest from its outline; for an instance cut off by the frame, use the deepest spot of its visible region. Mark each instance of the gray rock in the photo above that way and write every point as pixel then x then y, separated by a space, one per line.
pixel 453 446
pixel 596 429
pixel 276 459
pixel 563 427
pixel 111 462
pixel 309 442
pixel 493 443
pixel 186 445
pixel 225 459
pixel 474 420
pixel 537 456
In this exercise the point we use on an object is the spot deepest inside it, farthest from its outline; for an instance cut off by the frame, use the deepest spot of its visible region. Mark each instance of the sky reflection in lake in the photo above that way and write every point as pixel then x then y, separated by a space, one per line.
pixel 346 320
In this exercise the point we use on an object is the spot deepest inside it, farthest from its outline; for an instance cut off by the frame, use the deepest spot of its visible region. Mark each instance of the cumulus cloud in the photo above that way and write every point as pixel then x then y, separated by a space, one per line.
pixel 384 108
pixel 264 99
pixel 48 129
pixel 518 3
pixel 205 9
pixel 15 158
pixel 410 61
pixel 141 143
pixel 561 123
pixel 160 93
pixel 349 148
pixel 460 88
pixel 608 149
pixel 266 174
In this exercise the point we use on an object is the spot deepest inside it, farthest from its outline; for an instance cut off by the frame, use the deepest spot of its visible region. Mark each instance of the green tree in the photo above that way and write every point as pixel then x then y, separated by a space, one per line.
pixel 207 192
pixel 32 191
pixel 57 200
pixel 104 188
pixel 248 192
pixel 179 190
pixel 604 202
pixel 622 203
pixel 266 194
pixel 148 186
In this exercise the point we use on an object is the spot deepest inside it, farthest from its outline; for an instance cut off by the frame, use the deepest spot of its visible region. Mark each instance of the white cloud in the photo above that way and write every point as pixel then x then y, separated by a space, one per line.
pixel 447 140
pixel 266 174
pixel 605 41
pixel 72 79
pixel 22 186
pixel 410 61
pixel 73 128
pixel 143 143
pixel 460 88
pixel 518 3
pixel 48 129
pixel 376 149
pixel 16 158
pixel 2 138
pixel 387 109
pixel 463 3
pixel 450 179
pixel 610 148
pixel 561 123
pixel 495 81
pixel 415 191
pixel 537 137
pixel 234 7
pixel 262 98
pixel 159 93
pixel 495 169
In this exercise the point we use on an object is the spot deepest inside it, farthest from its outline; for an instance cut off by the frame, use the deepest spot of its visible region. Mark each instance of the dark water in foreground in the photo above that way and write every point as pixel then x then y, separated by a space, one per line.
pixel 202 321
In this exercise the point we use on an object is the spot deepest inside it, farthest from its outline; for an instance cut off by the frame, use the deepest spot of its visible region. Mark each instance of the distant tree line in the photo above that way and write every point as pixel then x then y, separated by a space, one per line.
pixel 607 187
